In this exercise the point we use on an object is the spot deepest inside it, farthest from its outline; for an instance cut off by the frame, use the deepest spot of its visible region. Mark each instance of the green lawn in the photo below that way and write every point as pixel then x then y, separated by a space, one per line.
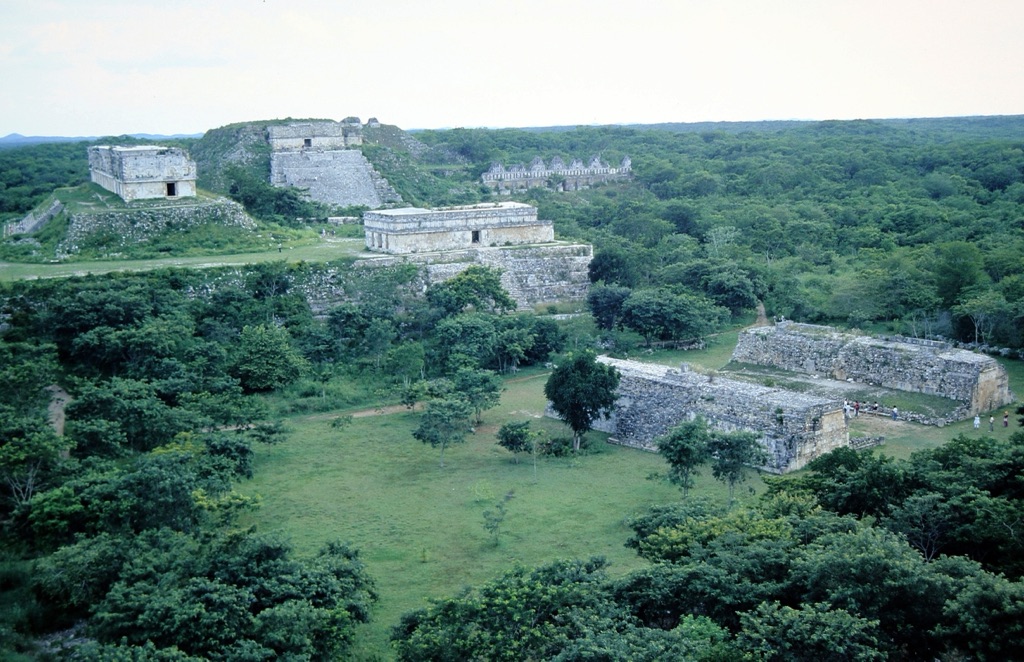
pixel 320 251
pixel 420 527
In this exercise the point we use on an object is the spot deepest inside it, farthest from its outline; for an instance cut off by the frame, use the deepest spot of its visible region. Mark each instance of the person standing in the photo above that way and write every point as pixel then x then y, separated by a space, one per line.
pixel 1006 419
pixel 991 423
pixel 895 413
pixel 977 421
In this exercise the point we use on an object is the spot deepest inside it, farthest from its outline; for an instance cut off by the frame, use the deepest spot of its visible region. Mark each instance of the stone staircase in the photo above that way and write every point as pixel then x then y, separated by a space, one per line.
pixel 337 177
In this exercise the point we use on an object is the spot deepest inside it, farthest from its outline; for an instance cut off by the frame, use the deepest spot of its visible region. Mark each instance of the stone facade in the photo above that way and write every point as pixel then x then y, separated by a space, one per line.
pixel 532 275
pixel 315 135
pixel 905 364
pixel 572 177
pixel 415 230
pixel 323 159
pixel 794 427
pixel 143 172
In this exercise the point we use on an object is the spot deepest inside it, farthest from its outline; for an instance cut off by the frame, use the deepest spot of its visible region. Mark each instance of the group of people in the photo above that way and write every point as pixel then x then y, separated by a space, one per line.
pixel 992 421
pixel 854 409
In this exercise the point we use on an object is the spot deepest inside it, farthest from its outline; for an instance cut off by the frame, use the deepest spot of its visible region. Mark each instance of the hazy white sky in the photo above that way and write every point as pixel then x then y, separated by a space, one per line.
pixel 101 67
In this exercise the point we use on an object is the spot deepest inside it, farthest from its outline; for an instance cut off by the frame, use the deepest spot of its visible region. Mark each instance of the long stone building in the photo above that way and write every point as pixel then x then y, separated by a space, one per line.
pixel 415 230
pixel 651 399
pixel 572 177
pixel 143 172
pixel 905 364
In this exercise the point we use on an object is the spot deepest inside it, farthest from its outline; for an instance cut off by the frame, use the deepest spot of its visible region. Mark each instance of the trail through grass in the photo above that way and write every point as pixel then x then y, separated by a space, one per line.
pixel 321 251
pixel 420 528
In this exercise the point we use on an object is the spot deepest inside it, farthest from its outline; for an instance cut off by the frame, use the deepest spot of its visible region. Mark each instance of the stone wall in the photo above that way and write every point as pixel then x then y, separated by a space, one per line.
pixel 572 177
pixel 532 275
pixel 338 177
pixel 32 221
pixel 905 364
pixel 794 427
pixel 143 172
pixel 134 226
pixel 414 230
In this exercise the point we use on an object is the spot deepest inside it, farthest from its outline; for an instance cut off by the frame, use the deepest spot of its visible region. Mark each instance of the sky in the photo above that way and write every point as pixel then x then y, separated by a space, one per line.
pixel 111 67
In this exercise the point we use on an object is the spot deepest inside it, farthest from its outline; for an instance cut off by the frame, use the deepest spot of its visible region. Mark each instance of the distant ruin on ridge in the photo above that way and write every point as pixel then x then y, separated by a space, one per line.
pixel 572 177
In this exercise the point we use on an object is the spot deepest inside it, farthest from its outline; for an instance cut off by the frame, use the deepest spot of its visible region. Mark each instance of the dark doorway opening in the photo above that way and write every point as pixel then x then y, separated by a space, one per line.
pixel 172 189
pixel 476 236
pixel 307 142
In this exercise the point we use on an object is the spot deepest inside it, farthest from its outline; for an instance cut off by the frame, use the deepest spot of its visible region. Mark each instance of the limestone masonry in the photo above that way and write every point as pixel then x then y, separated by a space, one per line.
pixel 905 364
pixel 532 275
pixel 143 172
pixel 794 427
pixel 572 177
pixel 323 159
pixel 415 230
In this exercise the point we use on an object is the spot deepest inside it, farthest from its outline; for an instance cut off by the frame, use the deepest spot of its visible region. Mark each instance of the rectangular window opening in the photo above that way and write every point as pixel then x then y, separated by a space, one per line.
pixel 476 236
pixel 172 189
pixel 307 142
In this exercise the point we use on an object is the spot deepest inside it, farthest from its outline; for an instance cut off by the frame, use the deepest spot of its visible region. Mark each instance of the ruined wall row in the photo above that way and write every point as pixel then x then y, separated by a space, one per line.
pixel 905 364
pixel 652 399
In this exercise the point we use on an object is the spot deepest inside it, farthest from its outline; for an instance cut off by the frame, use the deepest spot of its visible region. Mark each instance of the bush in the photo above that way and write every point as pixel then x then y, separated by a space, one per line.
pixel 562 446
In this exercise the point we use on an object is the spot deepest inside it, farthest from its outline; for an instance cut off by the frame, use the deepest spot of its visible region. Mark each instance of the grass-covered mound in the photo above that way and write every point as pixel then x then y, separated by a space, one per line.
pixel 97 224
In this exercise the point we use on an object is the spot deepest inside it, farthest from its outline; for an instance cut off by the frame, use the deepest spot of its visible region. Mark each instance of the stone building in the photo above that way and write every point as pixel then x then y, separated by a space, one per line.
pixel 904 364
pixel 794 427
pixel 572 177
pixel 315 135
pixel 323 158
pixel 415 230
pixel 143 172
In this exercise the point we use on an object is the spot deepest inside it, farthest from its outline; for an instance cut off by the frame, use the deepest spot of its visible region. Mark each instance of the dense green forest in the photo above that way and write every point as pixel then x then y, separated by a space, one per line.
pixel 917 226
pixel 124 530
pixel 129 518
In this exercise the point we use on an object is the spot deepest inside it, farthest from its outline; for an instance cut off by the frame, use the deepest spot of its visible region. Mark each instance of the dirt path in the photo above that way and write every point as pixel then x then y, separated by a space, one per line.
pixel 762 318
pixel 59 399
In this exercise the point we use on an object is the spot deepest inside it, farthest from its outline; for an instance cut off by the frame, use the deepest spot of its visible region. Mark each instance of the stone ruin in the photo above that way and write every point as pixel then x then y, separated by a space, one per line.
pixel 904 364
pixel 535 269
pixel 143 172
pixel 572 177
pixel 323 159
pixel 794 427
pixel 415 230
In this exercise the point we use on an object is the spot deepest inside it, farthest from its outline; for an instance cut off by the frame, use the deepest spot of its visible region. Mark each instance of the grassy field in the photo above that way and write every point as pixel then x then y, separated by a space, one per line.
pixel 420 527
pixel 320 251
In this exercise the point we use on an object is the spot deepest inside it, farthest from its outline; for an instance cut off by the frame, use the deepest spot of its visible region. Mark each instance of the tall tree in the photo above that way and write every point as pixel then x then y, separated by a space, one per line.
pixel 445 422
pixel 581 389
pixel 731 454
pixel 685 447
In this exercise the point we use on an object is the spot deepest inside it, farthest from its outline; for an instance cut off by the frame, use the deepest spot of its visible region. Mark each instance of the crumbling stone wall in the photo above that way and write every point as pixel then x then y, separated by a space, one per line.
pixel 794 427
pixel 905 364
pixel 32 221
pixel 532 275
pixel 415 230
pixel 135 226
